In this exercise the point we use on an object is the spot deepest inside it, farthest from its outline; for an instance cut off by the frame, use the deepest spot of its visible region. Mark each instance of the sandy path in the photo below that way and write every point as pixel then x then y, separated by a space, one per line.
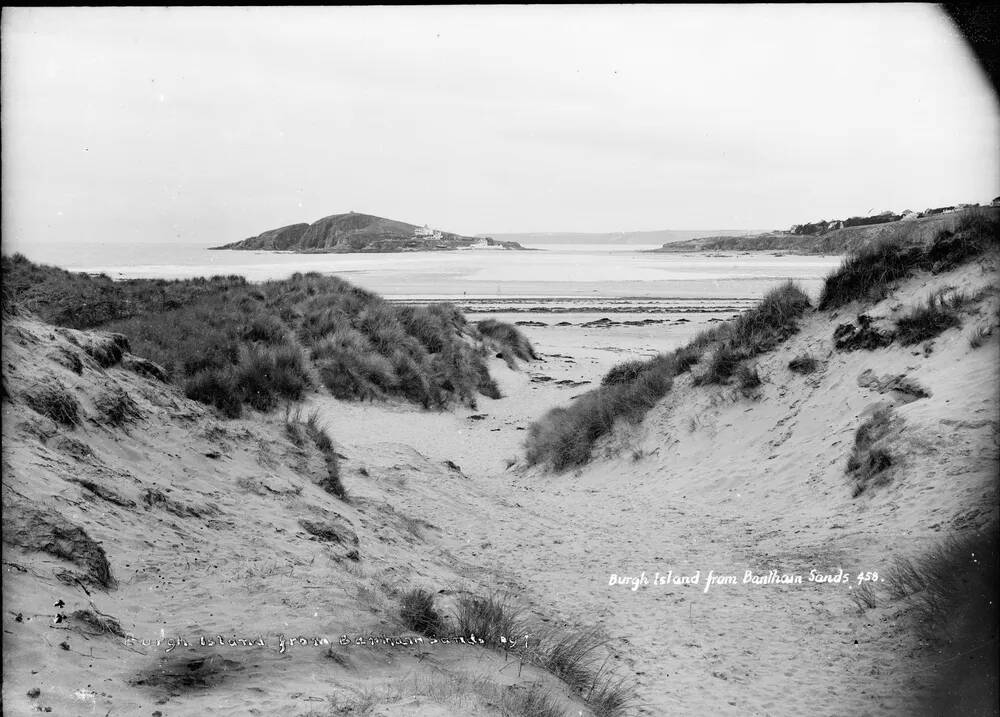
pixel 777 499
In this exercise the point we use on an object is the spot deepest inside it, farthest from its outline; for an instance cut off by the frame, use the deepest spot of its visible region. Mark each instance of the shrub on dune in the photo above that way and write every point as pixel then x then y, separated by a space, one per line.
pixel 975 233
pixel 414 383
pixel 508 337
pixel 290 375
pixel 869 274
pixel 565 436
pixel 345 339
pixel 214 387
pixel 753 332
pixel 360 376
pixel 485 383
pixel 260 381
pixel 317 324
pixel 722 365
pixel 266 328
pixel 625 372
pixel 456 370
pixel 429 327
pixel 770 322
pixel 685 358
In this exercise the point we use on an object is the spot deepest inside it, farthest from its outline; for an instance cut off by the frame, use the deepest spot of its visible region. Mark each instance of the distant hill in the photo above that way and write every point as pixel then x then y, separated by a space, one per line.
pixel 659 236
pixel 838 241
pixel 352 232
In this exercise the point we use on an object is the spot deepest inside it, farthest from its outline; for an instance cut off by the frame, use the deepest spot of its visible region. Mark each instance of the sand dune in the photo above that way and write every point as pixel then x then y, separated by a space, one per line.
pixel 220 528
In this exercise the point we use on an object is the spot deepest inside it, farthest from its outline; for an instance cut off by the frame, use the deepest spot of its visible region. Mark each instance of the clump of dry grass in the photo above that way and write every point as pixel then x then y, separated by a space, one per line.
pixel 53 400
pixel 925 322
pixel 418 612
pixel 107 350
pixel 507 339
pixel 98 623
pixel 804 364
pixel 117 407
pixel 565 436
pixel 753 332
pixel 868 463
pixel 578 659
pixel 869 274
pixel 332 482
pixel 864 596
pixel 625 372
pixel 294 430
pixel 952 589
pixel 494 619
pixel 748 378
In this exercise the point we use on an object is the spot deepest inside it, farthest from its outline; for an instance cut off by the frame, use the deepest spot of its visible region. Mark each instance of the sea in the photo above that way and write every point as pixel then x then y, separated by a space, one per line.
pixel 569 283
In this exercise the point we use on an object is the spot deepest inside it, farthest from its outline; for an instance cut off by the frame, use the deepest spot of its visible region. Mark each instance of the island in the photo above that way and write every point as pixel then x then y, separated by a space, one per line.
pixel 353 233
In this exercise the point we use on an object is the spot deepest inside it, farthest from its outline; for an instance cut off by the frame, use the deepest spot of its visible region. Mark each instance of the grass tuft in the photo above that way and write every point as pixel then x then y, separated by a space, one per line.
pixel 490 618
pixel 867 463
pixel 117 407
pixel 418 612
pixel 107 350
pixel 507 339
pixel 625 372
pixel 565 436
pixel 804 364
pixel 926 321
pixel 753 332
pixel 952 590
pixel 869 274
pixel 747 377
pixel 54 401
pixel 321 439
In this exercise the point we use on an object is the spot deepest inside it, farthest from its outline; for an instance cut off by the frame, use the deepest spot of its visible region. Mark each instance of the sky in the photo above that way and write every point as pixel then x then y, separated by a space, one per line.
pixel 208 125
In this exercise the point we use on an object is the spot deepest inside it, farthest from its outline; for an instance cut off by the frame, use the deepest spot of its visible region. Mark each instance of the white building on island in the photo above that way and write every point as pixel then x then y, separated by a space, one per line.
pixel 426 233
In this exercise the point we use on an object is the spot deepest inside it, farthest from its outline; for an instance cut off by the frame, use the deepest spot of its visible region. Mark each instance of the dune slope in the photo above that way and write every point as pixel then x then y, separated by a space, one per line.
pixel 158 560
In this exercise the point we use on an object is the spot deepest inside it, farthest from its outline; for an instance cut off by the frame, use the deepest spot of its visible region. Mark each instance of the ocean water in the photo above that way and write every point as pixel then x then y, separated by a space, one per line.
pixel 569 279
